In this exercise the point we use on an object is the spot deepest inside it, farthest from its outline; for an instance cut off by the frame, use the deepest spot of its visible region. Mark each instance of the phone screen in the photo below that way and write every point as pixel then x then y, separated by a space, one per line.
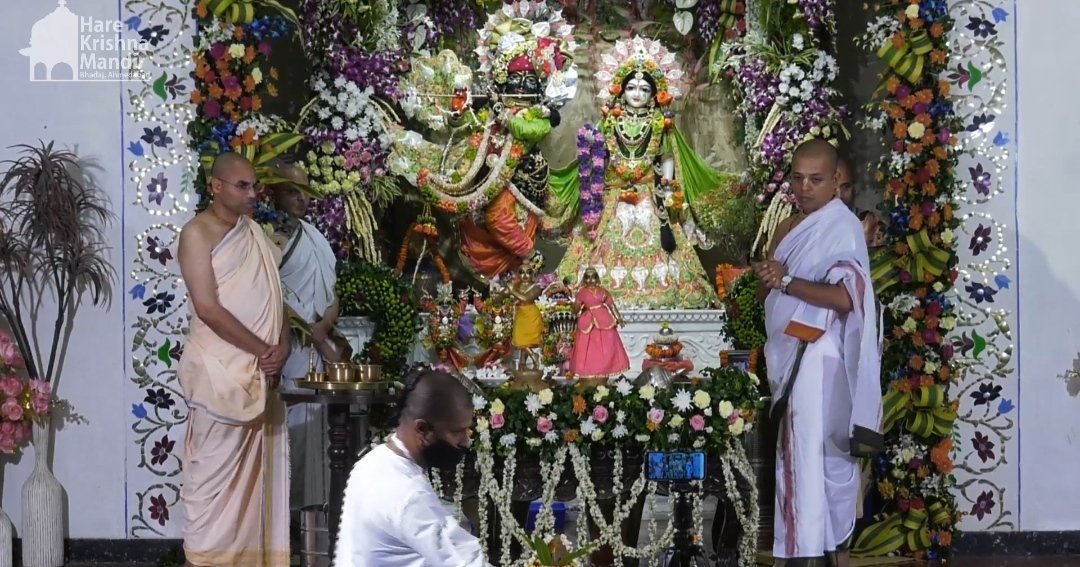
pixel 675 465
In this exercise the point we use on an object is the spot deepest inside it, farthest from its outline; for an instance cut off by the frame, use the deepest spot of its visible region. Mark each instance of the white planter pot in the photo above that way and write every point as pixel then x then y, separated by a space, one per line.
pixel 42 508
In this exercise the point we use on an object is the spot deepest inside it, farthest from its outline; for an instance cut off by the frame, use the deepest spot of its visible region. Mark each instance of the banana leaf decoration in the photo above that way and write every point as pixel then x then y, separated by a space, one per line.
pixel 895 532
pixel 260 154
pixel 923 412
pixel 925 258
pixel 243 11
pixel 909 60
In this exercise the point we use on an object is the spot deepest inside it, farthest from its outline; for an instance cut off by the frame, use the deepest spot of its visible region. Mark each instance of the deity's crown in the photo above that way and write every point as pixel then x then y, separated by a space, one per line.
pixel 639 55
pixel 530 36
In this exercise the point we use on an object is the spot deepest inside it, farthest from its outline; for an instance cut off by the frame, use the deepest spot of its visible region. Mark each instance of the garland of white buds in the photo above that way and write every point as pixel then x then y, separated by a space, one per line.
pixel 746 509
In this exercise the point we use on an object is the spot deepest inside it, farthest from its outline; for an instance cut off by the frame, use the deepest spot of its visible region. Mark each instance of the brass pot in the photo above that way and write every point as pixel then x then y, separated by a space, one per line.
pixel 368 373
pixel 340 372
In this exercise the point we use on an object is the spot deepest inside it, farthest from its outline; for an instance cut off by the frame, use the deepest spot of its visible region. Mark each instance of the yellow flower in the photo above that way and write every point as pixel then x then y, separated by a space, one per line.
pixel 912 11
pixel 909 326
pixel 647 392
pixel 916 129
pixel 737 426
pixel 725 409
pixel 675 421
pixel 497 406
pixel 600 394
pixel 546 395
pixel 702 399
pixel 481 424
pixel 948 323
pixel 256 75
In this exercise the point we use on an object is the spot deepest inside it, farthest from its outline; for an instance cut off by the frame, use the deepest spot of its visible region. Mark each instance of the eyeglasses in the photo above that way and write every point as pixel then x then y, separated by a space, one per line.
pixel 243 185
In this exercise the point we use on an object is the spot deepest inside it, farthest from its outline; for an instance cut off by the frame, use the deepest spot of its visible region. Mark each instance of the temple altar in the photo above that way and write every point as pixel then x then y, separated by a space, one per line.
pixel 698 329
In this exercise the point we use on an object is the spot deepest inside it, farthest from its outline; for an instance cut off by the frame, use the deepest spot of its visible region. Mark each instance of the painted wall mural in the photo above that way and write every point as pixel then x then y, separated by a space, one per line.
pixel 987 457
pixel 158 190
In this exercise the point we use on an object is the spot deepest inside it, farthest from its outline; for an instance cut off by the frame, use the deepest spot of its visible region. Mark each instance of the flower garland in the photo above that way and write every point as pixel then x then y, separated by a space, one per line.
pixel 913 275
pixel 592 159
pixel 782 73
pixel 232 77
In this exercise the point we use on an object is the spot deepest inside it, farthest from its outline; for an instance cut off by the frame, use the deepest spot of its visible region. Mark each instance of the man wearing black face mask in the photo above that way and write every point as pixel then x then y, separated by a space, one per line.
pixel 391 516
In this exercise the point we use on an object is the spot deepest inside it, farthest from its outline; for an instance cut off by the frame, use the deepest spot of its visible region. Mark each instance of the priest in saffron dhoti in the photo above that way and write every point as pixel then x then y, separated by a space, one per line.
pixel 235 475
pixel 824 360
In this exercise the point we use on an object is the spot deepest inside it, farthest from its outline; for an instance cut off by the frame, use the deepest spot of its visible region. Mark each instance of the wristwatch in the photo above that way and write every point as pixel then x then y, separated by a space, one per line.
pixel 784 283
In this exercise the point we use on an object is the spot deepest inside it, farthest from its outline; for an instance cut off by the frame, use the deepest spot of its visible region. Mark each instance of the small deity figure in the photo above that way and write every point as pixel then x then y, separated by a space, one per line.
pixel 637 230
pixel 598 349
pixel 528 330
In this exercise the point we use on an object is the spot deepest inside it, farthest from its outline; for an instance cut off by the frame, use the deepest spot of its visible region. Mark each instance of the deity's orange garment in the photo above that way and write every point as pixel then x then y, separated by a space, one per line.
pixel 507 237
pixel 235 476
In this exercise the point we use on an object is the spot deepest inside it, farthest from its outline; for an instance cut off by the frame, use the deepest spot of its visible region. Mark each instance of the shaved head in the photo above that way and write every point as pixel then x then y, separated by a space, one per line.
pixel 433 396
pixel 228 163
pixel 817 148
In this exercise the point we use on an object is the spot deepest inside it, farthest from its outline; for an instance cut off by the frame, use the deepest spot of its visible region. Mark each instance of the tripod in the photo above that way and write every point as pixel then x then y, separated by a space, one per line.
pixel 684 551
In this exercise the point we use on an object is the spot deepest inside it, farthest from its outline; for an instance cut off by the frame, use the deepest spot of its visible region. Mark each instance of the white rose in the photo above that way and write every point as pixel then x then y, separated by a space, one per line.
pixel 736 427
pixel 725 409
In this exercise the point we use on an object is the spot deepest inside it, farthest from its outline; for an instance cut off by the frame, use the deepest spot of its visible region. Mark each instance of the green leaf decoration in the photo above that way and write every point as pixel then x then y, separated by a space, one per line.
pixel 976 75
pixel 163 353
pixel 980 344
pixel 159 86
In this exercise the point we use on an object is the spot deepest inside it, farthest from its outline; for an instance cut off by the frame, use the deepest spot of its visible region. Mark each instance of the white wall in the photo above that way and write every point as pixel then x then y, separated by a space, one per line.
pixel 1049 266
pixel 84 117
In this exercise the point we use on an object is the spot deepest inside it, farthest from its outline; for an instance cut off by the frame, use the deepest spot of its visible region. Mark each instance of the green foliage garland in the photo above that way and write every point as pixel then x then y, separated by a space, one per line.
pixel 744 323
pixel 374 291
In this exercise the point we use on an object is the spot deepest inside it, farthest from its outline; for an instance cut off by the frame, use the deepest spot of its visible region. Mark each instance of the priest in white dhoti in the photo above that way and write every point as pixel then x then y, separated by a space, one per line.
pixel 308 277
pixel 824 360
pixel 391 516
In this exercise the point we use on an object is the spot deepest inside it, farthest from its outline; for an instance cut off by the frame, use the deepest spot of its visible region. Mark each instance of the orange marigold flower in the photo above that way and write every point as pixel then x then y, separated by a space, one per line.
pixel 944 373
pixel 216 91
pixel 929 189
pixel 197 97
pixel 944 538
pixel 915 149
pixel 917 313
pixel 916 362
pixel 238 33
pixel 571 436
pixel 916 222
pixel 938 57
pixel 916 24
pixel 272 90
pixel 900 130
pixel 940 456
pixel 579 404
pixel 201 10
pixel 892 84
pixel 909 102
pixel 249 83
pixel 925 96
pixel 935 220
pixel 932 322
pixel 920 293
pixel 917 340
pixel 941 153
pixel 937 30
pixel 249 55
pixel 256 103
pixel 943 88
pixel 924 119
pixel 898 40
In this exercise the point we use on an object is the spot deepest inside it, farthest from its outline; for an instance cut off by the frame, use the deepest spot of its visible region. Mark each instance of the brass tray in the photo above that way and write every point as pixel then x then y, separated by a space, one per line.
pixel 341 386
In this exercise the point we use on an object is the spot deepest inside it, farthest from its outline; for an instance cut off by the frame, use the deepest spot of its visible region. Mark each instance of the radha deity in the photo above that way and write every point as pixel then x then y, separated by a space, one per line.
pixel 491 171
pixel 642 245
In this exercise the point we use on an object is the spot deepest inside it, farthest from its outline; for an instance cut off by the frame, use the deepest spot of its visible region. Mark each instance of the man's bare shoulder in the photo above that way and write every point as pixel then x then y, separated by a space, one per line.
pixel 202 231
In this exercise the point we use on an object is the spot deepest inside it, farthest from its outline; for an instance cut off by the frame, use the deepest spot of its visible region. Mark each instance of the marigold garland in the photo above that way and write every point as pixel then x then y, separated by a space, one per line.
pixel 913 274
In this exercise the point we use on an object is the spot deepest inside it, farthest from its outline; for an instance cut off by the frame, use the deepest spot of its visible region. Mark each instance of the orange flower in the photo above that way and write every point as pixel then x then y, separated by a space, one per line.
pixel 238 33
pixel 928 138
pixel 571 436
pixel 201 10
pixel 944 537
pixel 652 426
pixel 516 151
pixel 925 96
pixel 935 219
pixel 916 362
pixel 917 313
pixel 915 149
pixel 892 84
pixel 933 167
pixel 900 130
pixel 249 137
pixel 249 55
pixel 273 73
pixel 901 385
pixel 924 119
pixel 943 88
pixel 234 94
pixel 579 404
pixel 249 83
pixel 916 24
pixel 216 91
pixel 197 97
pixel 229 107
pixel 938 57
pixel 663 98
pixel 941 153
pixel 920 293
pixel 932 322
pixel 944 374
pixel 909 102
pixel 915 222
pixel 929 189
pixel 941 456
pixel 222 65
pixel 256 103
pixel 272 90
pixel 615 89
pixel 917 340
pixel 937 30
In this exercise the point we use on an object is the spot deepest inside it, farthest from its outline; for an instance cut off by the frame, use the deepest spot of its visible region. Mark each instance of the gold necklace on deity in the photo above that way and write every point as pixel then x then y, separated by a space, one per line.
pixel 633 130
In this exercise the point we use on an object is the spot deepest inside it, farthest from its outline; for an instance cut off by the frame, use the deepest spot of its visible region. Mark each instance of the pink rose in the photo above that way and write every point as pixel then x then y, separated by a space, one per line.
pixel 22 431
pixel 735 415
pixel 7 444
pixel 544 424
pixel 11 386
pixel 11 409
pixel 697 423
pixel 656 415
pixel 41 404
pixel 600 414
pixel 7 428
pixel 497 421
pixel 42 387
pixel 9 351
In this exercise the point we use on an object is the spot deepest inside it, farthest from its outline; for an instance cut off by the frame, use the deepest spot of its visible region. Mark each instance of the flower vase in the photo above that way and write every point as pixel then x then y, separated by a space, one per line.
pixel 6 534
pixel 42 507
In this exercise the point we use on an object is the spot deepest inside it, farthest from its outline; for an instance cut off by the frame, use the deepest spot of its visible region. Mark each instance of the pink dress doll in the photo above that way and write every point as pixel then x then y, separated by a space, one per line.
pixel 598 348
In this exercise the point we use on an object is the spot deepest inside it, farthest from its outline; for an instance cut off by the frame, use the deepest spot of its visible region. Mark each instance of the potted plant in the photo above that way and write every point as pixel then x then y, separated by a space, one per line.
pixel 52 252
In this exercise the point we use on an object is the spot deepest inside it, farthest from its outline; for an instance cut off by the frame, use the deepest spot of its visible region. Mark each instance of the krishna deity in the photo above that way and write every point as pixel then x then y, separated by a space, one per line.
pixel 490 170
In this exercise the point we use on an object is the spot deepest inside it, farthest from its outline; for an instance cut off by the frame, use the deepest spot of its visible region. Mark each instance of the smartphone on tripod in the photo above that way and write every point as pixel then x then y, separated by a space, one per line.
pixel 679 469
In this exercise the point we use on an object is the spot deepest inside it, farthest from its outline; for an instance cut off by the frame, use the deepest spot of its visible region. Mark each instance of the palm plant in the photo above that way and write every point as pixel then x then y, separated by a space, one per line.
pixel 51 242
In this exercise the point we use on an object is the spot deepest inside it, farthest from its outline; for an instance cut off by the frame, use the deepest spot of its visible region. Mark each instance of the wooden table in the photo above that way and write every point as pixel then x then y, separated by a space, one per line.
pixel 347 422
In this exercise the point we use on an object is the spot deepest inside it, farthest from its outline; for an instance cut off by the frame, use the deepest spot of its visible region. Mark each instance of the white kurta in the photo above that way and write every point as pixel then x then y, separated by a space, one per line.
pixel 836 398
pixel 308 278
pixel 393 518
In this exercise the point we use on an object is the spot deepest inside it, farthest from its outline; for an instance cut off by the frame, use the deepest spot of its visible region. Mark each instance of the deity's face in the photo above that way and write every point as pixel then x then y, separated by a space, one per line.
pixel 521 83
pixel 590 278
pixel 638 92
